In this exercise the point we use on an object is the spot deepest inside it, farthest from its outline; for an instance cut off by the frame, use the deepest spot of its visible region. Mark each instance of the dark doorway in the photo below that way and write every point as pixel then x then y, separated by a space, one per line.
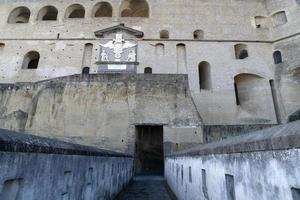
pixel 148 70
pixel 277 57
pixel 33 64
pixel 86 71
pixel 149 151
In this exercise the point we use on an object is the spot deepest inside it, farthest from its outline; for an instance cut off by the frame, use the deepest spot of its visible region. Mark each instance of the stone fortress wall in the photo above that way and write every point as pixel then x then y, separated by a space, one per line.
pixel 178 38
pixel 220 68
pixel 103 110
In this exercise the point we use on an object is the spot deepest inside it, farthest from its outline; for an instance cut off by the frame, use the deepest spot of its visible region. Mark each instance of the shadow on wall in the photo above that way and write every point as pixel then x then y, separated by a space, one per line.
pixel 294 117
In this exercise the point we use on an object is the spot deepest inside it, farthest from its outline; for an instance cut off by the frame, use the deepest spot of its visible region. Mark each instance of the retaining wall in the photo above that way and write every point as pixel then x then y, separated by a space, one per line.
pixel 263 165
pixel 34 168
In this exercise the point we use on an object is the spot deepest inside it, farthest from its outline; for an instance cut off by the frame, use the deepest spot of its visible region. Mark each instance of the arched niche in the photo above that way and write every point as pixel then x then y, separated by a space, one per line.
pixel 164 34
pixel 279 18
pixel 148 70
pixel 75 11
pixel 159 49
pixel 19 15
pixel 277 57
pixel 241 51
pixel 102 9
pixel 198 34
pixel 47 13
pixel 86 71
pixel 204 75
pixel 134 8
pixel 262 22
pixel 253 94
pixel 31 60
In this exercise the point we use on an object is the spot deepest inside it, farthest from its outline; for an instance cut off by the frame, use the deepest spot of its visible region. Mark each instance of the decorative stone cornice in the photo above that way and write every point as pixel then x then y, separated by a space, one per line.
pixel 132 31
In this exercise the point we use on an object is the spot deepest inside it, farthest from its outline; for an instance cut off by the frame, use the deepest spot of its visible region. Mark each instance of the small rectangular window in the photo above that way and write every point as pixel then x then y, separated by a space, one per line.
pixel 295 193
pixel 67 184
pixel 68 177
pixel 90 175
pixel 103 171
pixel 2 45
pixel 190 174
pixel 177 172
pixel 204 184
pixel 230 187
pixel 11 189
pixel 181 174
pixel 238 103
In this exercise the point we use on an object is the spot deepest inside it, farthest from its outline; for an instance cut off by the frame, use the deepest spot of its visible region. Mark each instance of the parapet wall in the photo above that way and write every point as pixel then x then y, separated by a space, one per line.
pixel 38 168
pixel 262 165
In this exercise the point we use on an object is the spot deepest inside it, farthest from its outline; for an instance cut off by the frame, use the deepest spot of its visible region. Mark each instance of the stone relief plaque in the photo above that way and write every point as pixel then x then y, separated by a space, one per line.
pixel 118 50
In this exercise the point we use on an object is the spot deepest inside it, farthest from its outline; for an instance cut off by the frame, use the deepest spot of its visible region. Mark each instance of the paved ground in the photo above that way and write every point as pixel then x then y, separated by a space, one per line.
pixel 146 188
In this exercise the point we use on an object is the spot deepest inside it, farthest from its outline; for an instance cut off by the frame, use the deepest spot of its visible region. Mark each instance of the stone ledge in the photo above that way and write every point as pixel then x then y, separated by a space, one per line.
pixel 280 137
pixel 11 141
pixel 215 133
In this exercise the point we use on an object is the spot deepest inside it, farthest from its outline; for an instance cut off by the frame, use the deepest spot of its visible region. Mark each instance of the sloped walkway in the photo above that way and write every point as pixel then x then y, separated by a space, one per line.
pixel 147 188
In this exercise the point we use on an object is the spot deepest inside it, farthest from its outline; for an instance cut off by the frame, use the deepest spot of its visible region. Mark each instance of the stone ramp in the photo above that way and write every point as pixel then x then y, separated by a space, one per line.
pixel 147 188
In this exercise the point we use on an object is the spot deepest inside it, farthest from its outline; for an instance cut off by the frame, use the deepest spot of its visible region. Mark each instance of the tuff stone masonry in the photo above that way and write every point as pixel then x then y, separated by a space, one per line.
pixel 148 78
pixel 247 43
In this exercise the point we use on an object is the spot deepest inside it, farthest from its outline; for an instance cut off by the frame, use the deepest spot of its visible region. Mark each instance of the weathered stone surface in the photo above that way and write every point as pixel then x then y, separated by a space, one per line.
pixel 257 175
pixel 147 187
pixel 215 133
pixel 19 142
pixel 272 139
pixel 39 168
pixel 102 110
pixel 53 176
pixel 61 45
pixel 263 165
